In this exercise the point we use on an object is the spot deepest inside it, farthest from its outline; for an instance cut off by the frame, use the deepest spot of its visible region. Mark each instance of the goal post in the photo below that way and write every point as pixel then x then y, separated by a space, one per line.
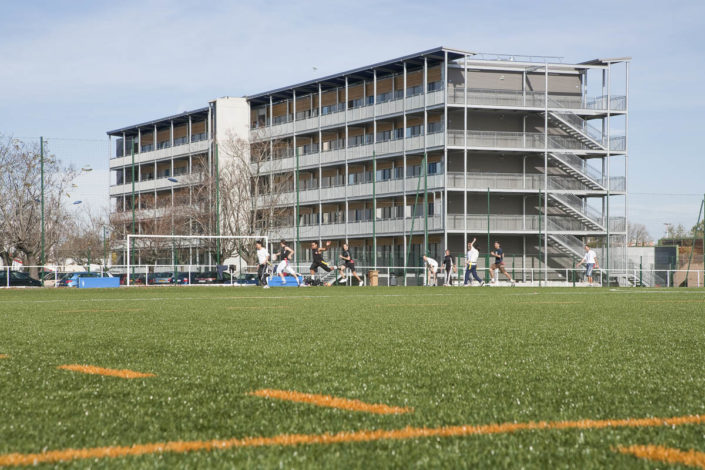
pixel 159 245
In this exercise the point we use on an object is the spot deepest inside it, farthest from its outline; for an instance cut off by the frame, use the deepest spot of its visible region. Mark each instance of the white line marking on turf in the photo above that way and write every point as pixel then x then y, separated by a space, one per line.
pixel 307 297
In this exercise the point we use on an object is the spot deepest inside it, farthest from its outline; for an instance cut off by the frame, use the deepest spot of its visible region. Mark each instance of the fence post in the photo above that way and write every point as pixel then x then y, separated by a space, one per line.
pixel 641 272
pixel 8 276
pixel 574 273
pixel 514 274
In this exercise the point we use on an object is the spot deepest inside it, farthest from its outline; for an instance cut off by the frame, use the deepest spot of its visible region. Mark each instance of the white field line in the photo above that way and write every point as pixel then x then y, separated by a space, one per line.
pixel 485 293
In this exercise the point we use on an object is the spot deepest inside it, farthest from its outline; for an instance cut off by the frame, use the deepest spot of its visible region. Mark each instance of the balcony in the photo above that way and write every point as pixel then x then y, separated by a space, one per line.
pixel 155 184
pixel 383 227
pixel 186 148
pixel 514 140
pixel 360 152
pixel 336 114
pixel 532 99
pixel 355 191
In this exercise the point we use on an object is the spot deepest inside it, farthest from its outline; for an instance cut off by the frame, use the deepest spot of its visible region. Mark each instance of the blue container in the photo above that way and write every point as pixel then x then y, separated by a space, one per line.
pixel 275 281
pixel 96 282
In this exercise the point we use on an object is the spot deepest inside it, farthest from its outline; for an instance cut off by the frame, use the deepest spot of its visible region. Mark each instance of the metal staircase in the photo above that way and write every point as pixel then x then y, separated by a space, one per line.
pixel 568 245
pixel 576 127
pixel 573 206
pixel 579 169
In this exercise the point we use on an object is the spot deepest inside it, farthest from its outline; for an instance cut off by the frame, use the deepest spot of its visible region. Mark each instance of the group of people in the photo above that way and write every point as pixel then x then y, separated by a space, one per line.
pixel 471 258
pixel 286 253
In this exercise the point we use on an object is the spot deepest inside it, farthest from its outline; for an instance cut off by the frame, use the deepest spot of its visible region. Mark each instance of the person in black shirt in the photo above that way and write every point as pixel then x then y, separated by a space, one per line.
pixel 317 257
pixel 448 265
pixel 498 264
pixel 349 263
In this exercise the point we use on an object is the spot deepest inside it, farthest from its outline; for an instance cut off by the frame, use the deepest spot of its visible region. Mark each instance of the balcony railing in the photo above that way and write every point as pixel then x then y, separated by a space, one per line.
pixel 519 140
pixel 365 109
pixel 531 99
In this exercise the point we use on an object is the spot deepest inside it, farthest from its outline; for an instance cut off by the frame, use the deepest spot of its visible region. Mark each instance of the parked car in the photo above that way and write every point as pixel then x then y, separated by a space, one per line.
pixel 18 279
pixel 247 279
pixel 211 277
pixel 135 279
pixel 71 279
pixel 185 278
pixel 51 279
pixel 161 278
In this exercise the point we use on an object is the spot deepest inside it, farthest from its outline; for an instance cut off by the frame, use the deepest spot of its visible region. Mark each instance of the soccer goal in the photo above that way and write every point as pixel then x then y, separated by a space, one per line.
pixel 155 255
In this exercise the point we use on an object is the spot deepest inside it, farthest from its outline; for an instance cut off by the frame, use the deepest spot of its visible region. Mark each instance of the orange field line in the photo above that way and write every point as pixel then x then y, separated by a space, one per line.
pixel 691 457
pixel 550 302
pixel 65 455
pixel 330 401
pixel 4 356
pixel 122 373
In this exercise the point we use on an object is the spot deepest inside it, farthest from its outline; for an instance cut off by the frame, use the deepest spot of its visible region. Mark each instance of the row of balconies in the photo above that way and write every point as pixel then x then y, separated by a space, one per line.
pixel 510 141
pixel 533 99
pixel 157 184
pixel 477 223
pixel 360 152
pixel 340 116
pixel 476 181
pixel 161 154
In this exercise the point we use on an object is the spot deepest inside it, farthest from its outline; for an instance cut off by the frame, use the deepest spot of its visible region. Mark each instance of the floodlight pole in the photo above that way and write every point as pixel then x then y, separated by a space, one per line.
pixel 105 249
pixel 297 209
pixel 217 206
pixel 132 241
pixel 374 209
pixel 41 165
pixel 487 255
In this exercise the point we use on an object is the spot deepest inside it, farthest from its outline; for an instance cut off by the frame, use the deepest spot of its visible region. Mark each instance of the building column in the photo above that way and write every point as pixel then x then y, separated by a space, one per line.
pixel 374 168
pixel 466 83
pixel 320 169
pixel 403 179
pixel 347 143
pixel 444 80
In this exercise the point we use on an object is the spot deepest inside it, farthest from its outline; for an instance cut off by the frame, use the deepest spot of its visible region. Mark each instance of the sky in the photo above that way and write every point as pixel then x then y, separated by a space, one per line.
pixel 72 70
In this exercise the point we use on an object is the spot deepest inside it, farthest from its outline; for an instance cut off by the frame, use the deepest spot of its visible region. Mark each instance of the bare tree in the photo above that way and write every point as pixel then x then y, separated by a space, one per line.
pixel 638 235
pixel 20 203
pixel 84 239
pixel 253 196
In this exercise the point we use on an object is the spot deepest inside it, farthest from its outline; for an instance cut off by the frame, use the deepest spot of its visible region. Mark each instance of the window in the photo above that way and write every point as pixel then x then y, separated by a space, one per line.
pixel 435 86
pixel 435 127
pixel 414 131
pixel 398 172
pixel 413 170
pixel 384 175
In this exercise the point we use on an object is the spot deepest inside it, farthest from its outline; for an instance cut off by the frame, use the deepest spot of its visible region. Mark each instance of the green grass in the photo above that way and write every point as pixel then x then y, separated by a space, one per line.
pixel 457 356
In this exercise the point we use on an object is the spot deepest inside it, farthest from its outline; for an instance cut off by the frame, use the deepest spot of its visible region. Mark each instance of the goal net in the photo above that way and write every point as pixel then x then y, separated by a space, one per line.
pixel 182 259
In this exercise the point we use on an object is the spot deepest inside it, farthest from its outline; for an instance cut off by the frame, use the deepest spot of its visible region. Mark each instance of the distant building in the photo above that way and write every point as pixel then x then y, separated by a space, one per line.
pixel 442 141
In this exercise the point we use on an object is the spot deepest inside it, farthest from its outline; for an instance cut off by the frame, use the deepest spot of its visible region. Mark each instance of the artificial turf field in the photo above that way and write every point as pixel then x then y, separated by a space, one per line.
pixel 447 357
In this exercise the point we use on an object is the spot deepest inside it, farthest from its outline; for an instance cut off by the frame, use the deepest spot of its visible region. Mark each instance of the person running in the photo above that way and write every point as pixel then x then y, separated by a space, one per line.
pixel 498 254
pixel 348 263
pixel 285 254
pixel 448 265
pixel 471 264
pixel 262 263
pixel 317 257
pixel 590 260
pixel 432 266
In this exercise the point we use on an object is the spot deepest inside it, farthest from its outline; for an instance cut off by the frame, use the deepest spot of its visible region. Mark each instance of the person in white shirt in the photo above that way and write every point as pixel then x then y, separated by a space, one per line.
pixel 471 264
pixel 262 263
pixel 432 266
pixel 285 254
pixel 590 260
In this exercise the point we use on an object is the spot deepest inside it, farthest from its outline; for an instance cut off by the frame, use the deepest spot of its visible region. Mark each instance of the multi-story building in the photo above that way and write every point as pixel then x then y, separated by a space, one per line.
pixel 422 153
